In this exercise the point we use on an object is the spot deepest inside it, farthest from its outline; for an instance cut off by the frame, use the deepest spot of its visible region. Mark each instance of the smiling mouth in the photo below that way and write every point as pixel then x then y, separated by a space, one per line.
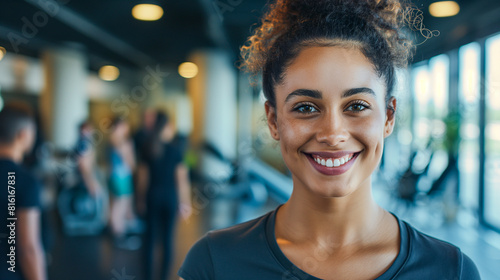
pixel 332 163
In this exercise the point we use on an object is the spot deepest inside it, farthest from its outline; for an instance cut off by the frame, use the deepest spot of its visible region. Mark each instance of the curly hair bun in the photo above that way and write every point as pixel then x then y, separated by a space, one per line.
pixel 286 17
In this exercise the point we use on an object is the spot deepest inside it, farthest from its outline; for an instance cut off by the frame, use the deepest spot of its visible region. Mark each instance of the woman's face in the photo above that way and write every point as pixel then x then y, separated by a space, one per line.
pixel 331 120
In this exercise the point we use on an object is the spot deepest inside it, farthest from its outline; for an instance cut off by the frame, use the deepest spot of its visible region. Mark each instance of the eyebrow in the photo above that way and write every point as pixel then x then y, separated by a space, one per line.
pixel 318 95
pixel 305 92
pixel 354 91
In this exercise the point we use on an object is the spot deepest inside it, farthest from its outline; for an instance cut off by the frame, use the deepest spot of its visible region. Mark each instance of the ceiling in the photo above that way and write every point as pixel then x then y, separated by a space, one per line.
pixel 106 30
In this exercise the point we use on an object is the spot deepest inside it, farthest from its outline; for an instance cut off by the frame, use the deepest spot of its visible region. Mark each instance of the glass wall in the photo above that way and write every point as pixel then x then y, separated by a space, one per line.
pixel 468 95
pixel 431 91
pixel 422 110
pixel 439 71
pixel 431 117
pixel 492 133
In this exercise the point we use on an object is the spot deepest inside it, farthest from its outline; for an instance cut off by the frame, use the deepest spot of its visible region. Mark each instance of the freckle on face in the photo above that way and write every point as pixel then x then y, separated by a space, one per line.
pixel 331 71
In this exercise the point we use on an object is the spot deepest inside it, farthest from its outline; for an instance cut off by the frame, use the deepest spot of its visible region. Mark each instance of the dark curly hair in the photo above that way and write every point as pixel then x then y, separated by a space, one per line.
pixel 373 26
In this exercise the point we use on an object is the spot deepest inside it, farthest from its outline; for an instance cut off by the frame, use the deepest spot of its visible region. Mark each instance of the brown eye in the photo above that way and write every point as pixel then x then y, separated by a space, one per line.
pixel 357 107
pixel 306 109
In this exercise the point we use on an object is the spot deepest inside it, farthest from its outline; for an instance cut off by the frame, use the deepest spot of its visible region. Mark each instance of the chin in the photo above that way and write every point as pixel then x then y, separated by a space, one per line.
pixel 332 191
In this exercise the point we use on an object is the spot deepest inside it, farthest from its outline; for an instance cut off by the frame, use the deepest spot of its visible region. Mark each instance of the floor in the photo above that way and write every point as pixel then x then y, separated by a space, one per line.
pixel 96 257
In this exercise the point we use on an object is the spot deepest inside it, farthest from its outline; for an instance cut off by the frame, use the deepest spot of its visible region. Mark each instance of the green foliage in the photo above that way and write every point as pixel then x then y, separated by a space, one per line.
pixel 452 137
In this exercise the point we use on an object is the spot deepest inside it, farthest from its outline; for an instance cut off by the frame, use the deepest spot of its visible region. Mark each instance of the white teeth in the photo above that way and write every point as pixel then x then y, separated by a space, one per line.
pixel 330 162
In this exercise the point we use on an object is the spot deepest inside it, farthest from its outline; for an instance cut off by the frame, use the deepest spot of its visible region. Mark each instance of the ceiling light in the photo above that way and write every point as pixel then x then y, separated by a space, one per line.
pixel 2 52
pixel 444 9
pixel 147 12
pixel 188 70
pixel 109 73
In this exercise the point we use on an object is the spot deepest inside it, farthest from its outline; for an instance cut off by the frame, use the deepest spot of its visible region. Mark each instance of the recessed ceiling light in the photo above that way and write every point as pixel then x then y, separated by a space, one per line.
pixel 109 73
pixel 2 52
pixel 444 9
pixel 188 70
pixel 147 12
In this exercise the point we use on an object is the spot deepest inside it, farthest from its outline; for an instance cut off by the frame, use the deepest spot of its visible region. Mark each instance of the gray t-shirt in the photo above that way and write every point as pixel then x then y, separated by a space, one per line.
pixel 249 251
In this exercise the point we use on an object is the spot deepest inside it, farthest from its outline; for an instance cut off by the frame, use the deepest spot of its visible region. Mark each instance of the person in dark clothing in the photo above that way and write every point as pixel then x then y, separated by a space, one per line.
pixel 328 70
pixel 22 255
pixel 163 192
pixel 142 134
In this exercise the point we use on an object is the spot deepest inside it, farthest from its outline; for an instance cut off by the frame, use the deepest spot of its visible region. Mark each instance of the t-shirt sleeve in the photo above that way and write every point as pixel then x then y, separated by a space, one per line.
pixel 198 264
pixel 469 269
pixel 28 193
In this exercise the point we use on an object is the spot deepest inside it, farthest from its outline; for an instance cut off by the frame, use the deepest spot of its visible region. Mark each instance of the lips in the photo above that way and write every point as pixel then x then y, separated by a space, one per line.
pixel 332 163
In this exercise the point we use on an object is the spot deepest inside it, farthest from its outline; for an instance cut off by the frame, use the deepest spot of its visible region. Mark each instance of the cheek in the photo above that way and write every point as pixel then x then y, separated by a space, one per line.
pixel 370 131
pixel 293 133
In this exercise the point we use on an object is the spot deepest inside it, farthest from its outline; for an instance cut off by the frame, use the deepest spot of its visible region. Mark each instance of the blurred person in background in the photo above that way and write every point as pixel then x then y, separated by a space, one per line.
pixel 121 166
pixel 86 159
pixel 27 260
pixel 164 192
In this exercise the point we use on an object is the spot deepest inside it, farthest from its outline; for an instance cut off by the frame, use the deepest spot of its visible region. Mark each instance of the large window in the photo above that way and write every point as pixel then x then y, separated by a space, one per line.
pixel 492 133
pixel 432 115
pixel 422 95
pixel 468 165
pixel 439 71
pixel 431 91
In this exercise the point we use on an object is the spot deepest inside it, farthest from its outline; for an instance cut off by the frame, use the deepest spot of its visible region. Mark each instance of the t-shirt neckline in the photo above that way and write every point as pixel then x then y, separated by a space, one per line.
pixel 8 160
pixel 295 271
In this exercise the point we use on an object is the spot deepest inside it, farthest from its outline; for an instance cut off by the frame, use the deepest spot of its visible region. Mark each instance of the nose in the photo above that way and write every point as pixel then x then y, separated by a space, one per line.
pixel 332 130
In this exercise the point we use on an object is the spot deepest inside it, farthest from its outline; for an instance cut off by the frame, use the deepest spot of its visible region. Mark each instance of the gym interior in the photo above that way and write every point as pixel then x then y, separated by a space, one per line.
pixel 94 61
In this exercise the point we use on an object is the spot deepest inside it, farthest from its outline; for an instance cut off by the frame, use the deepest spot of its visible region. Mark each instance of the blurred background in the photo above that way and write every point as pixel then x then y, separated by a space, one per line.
pixel 75 60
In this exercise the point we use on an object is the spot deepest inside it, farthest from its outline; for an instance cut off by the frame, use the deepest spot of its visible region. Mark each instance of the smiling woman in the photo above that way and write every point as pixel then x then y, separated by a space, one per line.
pixel 328 72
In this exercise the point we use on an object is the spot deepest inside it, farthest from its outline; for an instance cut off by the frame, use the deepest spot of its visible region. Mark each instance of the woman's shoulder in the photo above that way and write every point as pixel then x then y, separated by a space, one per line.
pixel 223 249
pixel 423 243
pixel 239 235
pixel 235 233
pixel 436 256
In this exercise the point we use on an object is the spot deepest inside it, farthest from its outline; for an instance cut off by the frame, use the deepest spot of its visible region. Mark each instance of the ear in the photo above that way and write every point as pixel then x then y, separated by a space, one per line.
pixel 26 138
pixel 271 120
pixel 390 117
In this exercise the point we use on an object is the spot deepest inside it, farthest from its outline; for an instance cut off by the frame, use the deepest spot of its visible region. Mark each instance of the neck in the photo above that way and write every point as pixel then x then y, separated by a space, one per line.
pixel 166 139
pixel 116 141
pixel 11 152
pixel 308 217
